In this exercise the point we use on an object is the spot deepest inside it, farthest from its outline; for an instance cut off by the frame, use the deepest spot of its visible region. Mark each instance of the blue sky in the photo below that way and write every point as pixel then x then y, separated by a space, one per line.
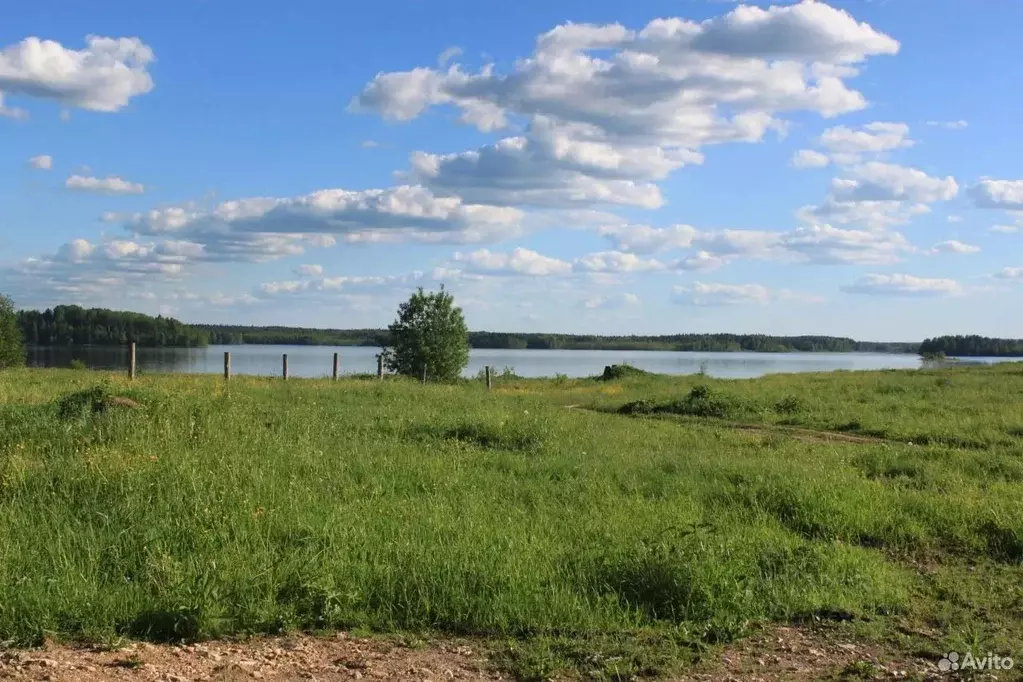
pixel 845 168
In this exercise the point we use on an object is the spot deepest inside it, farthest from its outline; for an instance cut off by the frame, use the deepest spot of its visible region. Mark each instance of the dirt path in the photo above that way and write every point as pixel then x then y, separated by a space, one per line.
pixel 798 432
pixel 774 655
pixel 274 659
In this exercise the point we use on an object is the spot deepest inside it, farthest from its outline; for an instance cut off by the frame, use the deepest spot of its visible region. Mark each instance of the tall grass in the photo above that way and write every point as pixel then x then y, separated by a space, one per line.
pixel 202 508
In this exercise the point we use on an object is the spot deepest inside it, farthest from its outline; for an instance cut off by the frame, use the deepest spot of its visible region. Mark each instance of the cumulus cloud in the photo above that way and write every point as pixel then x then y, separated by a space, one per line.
pixel 953 246
pixel 554 166
pixel 848 145
pixel 108 185
pixel 519 261
pixel 309 270
pixel 103 76
pixel 808 158
pixel 1004 229
pixel 702 294
pixel 616 262
pixel 702 261
pixel 673 85
pixel 647 239
pixel 1003 194
pixel 879 195
pixel 319 285
pixel 41 162
pixel 903 285
pixel 825 244
pixel 264 228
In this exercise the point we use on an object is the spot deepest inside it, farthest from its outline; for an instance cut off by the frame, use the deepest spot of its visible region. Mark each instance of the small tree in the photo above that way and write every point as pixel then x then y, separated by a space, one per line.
pixel 12 346
pixel 429 333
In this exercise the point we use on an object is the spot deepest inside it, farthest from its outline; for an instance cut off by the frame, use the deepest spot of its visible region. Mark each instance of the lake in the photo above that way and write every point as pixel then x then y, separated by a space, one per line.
pixel 315 361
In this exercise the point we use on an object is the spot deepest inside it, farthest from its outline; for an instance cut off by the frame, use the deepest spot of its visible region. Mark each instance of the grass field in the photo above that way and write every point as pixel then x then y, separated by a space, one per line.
pixel 652 519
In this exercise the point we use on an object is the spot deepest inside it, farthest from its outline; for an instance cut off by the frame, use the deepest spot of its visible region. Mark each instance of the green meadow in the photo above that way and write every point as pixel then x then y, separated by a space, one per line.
pixel 642 519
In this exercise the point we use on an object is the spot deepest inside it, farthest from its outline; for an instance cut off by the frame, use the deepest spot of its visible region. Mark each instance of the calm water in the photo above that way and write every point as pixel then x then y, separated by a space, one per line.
pixel 315 361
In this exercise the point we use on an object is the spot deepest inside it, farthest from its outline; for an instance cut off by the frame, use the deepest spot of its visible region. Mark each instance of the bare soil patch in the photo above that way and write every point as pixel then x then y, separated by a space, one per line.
pixel 326 659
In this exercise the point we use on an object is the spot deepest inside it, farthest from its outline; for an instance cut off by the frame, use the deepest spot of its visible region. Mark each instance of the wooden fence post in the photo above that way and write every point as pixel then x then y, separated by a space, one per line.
pixel 489 384
pixel 424 372
pixel 131 360
pixel 284 366
pixel 337 364
pixel 227 365
pixel 380 366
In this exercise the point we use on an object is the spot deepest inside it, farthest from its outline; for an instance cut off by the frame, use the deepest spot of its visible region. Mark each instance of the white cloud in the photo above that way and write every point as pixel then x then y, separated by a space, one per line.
pixel 953 246
pixel 646 239
pixel 1003 194
pixel 951 125
pixel 1010 273
pixel 876 181
pixel 279 226
pixel 108 185
pixel 675 84
pixel 731 243
pixel 702 294
pixel 825 244
pixel 103 76
pixel 703 261
pixel 369 144
pixel 309 270
pixel 453 52
pixel 903 285
pixel 954 219
pixel 41 162
pixel 557 165
pixel 519 261
pixel 879 195
pixel 601 302
pixel 1004 229
pixel 847 145
pixel 616 262
pixel 808 158
pixel 15 113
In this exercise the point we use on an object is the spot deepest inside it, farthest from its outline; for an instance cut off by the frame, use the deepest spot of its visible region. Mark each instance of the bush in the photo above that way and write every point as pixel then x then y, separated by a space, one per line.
pixel 613 372
pixel 702 401
pixel 78 364
pixel 429 336
pixel 12 345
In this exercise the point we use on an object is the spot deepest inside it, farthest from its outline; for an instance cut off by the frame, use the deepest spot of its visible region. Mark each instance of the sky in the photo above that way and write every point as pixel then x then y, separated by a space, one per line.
pixel 849 168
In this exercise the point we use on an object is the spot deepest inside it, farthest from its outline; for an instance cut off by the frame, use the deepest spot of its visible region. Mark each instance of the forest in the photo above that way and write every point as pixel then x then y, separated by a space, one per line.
pixel 972 346
pixel 72 325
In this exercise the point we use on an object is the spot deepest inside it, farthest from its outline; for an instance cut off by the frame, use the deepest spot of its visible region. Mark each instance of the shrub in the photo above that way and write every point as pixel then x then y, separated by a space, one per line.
pixel 613 372
pixel 78 364
pixel 790 404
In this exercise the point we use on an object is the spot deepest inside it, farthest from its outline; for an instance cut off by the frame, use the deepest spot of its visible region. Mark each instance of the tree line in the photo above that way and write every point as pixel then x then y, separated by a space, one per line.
pixel 72 325
pixel 972 346
pixel 228 334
